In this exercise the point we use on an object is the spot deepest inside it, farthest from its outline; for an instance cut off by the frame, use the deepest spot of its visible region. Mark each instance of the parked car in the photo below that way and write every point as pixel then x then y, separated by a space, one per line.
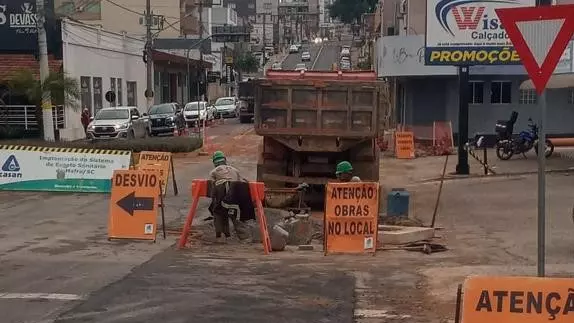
pixel 118 123
pixel 194 111
pixel 345 65
pixel 163 118
pixel 293 49
pixel 306 56
pixel 301 67
pixel 226 107
pixel 346 51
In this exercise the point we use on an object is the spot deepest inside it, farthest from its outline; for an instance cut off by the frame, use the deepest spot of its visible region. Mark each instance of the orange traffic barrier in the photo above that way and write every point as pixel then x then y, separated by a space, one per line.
pixel 517 300
pixel 404 145
pixel 161 161
pixel 134 205
pixel 351 217
pixel 199 189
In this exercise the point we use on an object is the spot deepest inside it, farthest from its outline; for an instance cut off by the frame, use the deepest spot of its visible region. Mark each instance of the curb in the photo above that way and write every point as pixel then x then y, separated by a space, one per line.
pixel 459 177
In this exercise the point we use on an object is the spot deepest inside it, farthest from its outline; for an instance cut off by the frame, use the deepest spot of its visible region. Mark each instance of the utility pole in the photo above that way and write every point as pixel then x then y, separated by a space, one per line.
pixel 264 44
pixel 47 118
pixel 149 53
pixel 200 51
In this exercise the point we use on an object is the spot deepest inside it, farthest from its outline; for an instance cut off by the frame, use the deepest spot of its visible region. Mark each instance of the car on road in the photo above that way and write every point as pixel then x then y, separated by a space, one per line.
pixel 301 67
pixel 198 111
pixel 163 118
pixel 346 51
pixel 226 107
pixel 276 66
pixel 306 56
pixel 293 49
pixel 118 123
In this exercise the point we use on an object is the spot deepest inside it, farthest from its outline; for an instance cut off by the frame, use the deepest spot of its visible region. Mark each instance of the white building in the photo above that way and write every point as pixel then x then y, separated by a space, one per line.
pixel 101 61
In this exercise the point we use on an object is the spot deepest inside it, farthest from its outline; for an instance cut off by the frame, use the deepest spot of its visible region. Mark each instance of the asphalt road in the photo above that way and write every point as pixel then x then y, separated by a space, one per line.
pixel 322 57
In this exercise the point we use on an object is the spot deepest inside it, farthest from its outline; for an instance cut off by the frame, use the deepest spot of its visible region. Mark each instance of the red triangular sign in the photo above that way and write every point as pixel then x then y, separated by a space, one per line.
pixel 539 35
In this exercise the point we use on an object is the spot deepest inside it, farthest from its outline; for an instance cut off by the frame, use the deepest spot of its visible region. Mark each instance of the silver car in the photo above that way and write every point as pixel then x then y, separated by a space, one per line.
pixel 226 107
pixel 118 123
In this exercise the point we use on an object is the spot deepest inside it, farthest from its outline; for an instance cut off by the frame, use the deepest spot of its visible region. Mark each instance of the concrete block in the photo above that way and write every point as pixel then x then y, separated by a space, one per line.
pixel 394 234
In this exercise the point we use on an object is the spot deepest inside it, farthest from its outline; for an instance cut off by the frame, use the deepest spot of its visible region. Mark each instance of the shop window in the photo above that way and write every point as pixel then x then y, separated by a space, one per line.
pixel 86 94
pixel 527 97
pixel 571 95
pixel 476 92
pixel 97 94
pixel 500 92
pixel 113 89
pixel 120 98
pixel 132 90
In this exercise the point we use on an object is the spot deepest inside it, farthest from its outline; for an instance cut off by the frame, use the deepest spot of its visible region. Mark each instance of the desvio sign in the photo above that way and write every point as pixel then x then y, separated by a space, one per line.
pixel 18 26
pixel 518 300
pixel 468 33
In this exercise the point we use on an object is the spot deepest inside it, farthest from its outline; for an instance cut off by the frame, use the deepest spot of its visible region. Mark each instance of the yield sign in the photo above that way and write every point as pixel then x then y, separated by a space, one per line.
pixel 539 35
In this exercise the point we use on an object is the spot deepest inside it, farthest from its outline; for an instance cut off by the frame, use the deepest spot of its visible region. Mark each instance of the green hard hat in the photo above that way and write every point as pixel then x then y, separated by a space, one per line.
pixel 344 167
pixel 218 156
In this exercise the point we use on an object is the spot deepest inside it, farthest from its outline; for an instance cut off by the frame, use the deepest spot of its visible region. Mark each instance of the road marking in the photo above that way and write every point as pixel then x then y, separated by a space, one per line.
pixel 317 57
pixel 49 296
pixel 371 314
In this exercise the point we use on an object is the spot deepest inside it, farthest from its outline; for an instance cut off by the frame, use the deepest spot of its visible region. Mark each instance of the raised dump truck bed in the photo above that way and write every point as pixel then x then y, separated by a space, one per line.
pixel 310 121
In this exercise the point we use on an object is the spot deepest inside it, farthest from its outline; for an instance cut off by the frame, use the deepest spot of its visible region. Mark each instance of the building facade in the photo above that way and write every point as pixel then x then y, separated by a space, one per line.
pixel 423 94
pixel 101 61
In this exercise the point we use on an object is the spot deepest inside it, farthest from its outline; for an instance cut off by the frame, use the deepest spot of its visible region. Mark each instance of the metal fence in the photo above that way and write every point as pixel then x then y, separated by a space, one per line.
pixel 25 116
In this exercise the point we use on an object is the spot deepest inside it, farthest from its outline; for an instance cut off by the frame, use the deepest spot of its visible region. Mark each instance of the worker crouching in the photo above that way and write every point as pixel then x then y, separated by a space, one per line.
pixel 344 172
pixel 228 200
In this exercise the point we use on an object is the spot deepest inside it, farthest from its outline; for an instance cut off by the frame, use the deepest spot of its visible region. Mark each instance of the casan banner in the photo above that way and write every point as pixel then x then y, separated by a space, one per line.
pixel 28 168
pixel 468 32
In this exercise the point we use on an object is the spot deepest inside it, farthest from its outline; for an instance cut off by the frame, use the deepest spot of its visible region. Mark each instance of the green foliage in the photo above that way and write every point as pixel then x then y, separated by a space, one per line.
pixel 170 144
pixel 350 11
pixel 246 62
pixel 62 88
pixel 364 65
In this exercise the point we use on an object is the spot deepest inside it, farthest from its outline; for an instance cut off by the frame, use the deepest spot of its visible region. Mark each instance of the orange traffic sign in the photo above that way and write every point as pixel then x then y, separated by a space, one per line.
pixel 351 214
pixel 157 160
pixel 404 145
pixel 134 204
pixel 518 300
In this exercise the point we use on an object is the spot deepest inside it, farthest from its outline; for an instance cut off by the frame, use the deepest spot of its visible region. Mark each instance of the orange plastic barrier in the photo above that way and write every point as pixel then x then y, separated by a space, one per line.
pixel 562 142
pixel 199 189
pixel 404 145
pixel 518 300
pixel 351 215
pixel 134 204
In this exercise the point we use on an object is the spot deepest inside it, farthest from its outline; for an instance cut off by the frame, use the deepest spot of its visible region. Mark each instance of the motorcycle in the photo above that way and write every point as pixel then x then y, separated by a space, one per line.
pixel 526 140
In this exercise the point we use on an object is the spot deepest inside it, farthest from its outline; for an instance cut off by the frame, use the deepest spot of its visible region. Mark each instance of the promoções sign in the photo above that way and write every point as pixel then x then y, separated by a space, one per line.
pixel 468 32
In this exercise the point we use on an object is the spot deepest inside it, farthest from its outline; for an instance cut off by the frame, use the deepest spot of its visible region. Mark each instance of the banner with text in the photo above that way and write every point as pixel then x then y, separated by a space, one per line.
pixel 469 33
pixel 28 168
pixel 351 212
pixel 518 300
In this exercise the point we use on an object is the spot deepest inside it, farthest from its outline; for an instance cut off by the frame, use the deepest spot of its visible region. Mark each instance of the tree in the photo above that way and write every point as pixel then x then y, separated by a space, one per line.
pixel 350 11
pixel 246 62
pixel 63 89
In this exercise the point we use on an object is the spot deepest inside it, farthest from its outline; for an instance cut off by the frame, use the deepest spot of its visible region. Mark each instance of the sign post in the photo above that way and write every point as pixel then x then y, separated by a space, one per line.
pixel 540 35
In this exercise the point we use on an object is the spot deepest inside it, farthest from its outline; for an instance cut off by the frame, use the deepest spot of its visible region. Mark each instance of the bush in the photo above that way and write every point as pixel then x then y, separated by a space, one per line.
pixel 170 144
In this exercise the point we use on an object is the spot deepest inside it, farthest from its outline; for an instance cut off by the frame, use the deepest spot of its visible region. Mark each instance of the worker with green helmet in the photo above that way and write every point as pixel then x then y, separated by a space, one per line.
pixel 221 206
pixel 344 172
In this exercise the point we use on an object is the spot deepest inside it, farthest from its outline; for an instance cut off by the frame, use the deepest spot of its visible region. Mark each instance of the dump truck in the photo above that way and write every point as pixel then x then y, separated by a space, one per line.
pixel 312 120
pixel 246 101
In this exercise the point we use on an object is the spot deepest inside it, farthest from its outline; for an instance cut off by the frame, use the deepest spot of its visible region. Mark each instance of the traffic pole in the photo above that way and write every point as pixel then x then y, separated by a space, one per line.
pixel 542 185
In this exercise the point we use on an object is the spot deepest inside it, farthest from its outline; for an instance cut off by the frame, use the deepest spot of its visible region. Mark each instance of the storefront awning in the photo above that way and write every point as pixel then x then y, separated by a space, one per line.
pixel 559 81
pixel 163 57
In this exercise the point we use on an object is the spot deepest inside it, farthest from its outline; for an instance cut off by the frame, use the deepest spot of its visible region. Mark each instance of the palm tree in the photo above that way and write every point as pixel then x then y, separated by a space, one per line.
pixel 63 89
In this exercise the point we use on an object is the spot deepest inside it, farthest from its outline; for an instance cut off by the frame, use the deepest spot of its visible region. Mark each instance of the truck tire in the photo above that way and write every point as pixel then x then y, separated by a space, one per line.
pixel 244 119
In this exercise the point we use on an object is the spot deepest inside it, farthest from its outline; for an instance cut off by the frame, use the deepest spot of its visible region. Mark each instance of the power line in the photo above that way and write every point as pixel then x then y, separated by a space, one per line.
pixel 125 8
